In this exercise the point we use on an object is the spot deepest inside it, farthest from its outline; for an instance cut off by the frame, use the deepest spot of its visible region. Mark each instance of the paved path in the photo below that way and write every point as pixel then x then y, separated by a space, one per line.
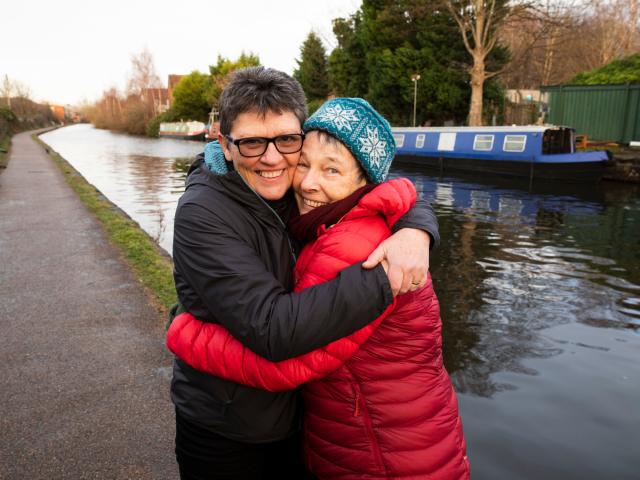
pixel 84 376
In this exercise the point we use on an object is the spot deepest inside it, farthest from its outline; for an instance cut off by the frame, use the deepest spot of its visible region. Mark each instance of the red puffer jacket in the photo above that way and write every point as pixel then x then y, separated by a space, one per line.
pixel 388 410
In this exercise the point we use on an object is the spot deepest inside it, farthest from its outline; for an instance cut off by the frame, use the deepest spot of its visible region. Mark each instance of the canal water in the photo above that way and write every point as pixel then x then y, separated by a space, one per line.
pixel 143 176
pixel 540 295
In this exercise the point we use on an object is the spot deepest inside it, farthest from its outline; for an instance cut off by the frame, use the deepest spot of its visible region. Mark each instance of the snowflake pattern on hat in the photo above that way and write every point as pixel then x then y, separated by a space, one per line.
pixel 361 129
pixel 341 117
pixel 373 146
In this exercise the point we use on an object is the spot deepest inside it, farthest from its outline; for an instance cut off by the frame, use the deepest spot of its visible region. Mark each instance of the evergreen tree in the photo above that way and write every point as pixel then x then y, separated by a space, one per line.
pixel 312 69
pixel 385 43
pixel 348 74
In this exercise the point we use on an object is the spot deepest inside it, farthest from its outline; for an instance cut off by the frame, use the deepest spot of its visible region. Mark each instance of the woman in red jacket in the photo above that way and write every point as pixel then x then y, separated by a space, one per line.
pixel 379 403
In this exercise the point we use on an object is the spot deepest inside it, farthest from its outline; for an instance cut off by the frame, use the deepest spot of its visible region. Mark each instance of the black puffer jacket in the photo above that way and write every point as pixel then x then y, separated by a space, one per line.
pixel 233 265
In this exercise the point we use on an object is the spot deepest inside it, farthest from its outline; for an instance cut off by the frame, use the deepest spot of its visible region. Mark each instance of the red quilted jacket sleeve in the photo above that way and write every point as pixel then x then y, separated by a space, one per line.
pixel 212 349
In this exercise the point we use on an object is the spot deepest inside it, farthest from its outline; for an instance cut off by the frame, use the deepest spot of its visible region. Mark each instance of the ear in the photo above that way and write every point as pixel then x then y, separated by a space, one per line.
pixel 225 146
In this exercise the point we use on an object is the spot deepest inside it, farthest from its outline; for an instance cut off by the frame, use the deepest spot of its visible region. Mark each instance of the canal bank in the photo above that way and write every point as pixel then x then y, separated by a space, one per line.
pixel 625 166
pixel 85 372
pixel 5 145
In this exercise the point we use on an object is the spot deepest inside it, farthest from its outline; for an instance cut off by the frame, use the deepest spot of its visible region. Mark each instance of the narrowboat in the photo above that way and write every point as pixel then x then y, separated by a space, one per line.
pixel 183 130
pixel 535 151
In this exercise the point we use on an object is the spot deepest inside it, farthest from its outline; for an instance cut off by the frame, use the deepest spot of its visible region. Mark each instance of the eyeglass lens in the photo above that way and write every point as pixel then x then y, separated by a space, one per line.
pixel 258 145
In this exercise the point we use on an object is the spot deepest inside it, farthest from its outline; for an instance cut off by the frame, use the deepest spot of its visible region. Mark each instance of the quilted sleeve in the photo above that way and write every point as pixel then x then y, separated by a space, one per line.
pixel 210 348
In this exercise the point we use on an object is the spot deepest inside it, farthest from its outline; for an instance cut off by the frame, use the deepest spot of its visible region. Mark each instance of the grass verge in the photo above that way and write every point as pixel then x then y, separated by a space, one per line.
pixel 149 262
pixel 5 146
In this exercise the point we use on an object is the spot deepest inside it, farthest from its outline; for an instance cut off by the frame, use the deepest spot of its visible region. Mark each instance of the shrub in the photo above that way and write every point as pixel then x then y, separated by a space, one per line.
pixel 624 70
pixel 8 115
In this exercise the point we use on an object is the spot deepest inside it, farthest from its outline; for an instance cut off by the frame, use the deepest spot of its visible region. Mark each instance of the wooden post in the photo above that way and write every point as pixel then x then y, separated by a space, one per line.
pixel 530 175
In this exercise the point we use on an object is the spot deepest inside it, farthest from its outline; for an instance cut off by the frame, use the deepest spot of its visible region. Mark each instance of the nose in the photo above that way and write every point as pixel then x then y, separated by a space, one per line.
pixel 309 182
pixel 271 156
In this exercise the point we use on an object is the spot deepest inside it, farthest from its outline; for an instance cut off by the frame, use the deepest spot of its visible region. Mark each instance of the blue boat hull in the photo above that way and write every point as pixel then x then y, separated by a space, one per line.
pixel 588 171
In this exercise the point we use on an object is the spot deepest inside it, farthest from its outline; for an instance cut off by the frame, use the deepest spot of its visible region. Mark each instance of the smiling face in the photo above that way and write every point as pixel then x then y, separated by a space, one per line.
pixel 327 172
pixel 269 175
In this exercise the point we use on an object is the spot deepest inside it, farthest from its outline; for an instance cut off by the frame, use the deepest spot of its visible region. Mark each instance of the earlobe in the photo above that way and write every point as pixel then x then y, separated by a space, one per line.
pixel 225 150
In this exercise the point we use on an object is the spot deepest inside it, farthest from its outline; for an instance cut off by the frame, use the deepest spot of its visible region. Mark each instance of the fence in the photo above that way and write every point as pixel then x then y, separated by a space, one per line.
pixel 521 113
pixel 602 112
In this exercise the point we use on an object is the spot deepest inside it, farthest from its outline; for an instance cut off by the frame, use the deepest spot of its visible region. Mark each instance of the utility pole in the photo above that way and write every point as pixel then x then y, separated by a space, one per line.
pixel 414 78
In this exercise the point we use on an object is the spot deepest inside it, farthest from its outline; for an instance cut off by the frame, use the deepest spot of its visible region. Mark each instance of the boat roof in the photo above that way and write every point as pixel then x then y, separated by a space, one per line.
pixel 515 128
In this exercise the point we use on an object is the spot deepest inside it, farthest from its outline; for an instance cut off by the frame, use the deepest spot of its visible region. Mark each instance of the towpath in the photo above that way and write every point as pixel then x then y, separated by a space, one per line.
pixel 84 375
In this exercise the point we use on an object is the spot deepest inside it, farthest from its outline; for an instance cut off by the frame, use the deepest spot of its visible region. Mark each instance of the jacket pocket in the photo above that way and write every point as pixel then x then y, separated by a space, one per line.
pixel 360 410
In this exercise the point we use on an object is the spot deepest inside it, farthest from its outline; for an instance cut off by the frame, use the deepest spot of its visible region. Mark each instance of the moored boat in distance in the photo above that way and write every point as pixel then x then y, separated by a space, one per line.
pixel 524 151
pixel 183 130
pixel 212 127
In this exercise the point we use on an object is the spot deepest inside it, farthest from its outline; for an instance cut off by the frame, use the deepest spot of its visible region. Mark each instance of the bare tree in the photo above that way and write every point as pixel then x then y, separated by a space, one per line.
pixel 143 74
pixel 22 90
pixel 144 82
pixel 6 88
pixel 567 38
pixel 478 21
pixel 24 106
pixel 631 37
pixel 613 25
pixel 537 39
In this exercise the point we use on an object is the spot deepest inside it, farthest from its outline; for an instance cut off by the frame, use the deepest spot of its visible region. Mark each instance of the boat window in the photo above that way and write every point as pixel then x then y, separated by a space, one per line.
pixel 447 141
pixel 558 140
pixel 399 138
pixel 483 142
pixel 420 140
pixel 514 143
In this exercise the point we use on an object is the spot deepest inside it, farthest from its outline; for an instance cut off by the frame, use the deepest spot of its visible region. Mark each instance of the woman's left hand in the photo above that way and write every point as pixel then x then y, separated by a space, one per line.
pixel 407 253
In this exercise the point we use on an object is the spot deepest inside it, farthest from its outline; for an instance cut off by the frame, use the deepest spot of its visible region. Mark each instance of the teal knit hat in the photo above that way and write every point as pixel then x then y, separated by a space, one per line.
pixel 361 129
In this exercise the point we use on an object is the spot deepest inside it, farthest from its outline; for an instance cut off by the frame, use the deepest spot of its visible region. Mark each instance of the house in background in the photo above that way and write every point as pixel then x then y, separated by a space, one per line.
pixel 58 112
pixel 524 107
pixel 524 96
pixel 173 81
pixel 65 113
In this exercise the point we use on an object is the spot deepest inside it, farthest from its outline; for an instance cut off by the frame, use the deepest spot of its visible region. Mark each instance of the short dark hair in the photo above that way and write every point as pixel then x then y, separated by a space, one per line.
pixel 261 90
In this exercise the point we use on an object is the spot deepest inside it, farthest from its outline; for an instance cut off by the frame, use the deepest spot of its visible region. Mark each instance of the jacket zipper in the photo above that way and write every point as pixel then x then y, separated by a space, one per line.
pixel 360 408
pixel 284 227
pixel 356 408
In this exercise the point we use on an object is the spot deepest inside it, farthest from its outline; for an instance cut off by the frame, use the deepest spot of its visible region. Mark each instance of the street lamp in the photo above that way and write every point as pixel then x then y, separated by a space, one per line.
pixel 414 78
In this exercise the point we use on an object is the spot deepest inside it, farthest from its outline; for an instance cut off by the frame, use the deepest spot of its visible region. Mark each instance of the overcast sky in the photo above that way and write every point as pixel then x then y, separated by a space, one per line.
pixel 68 51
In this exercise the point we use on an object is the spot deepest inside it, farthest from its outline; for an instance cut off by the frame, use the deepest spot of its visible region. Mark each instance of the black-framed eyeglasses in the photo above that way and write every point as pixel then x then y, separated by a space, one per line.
pixel 256 146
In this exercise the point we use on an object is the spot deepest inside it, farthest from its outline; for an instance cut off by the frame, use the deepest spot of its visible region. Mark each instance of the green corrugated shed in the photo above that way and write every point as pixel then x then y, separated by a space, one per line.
pixel 602 112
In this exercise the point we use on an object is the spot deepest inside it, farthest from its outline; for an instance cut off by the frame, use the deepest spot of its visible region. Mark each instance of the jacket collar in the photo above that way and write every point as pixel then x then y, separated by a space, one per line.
pixel 231 184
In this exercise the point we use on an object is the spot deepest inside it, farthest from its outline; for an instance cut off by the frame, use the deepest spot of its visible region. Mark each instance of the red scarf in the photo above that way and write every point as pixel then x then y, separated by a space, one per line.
pixel 304 228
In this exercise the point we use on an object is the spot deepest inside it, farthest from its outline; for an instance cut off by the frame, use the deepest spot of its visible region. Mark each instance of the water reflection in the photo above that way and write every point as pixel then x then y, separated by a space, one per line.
pixel 523 276
pixel 138 174
pixel 514 262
